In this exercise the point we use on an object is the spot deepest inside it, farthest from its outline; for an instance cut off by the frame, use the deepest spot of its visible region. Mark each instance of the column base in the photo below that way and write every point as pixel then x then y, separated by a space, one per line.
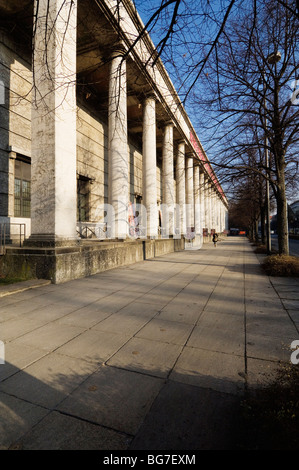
pixel 50 241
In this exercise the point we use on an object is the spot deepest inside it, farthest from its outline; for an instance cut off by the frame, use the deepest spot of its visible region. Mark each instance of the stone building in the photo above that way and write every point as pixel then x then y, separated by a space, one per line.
pixel 100 165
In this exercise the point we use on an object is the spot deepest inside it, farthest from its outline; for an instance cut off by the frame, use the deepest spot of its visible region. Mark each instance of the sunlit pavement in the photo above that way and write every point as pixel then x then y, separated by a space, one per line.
pixel 155 355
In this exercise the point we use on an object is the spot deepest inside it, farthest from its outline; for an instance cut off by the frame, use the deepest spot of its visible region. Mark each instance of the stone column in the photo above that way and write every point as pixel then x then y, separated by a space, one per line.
pixel 216 211
pixel 53 154
pixel 214 208
pixel 209 209
pixel 168 181
pixel 189 192
pixel 181 185
pixel 202 199
pixel 213 211
pixel 226 224
pixel 11 184
pixel 197 211
pixel 118 155
pixel 223 216
pixel 219 214
pixel 149 166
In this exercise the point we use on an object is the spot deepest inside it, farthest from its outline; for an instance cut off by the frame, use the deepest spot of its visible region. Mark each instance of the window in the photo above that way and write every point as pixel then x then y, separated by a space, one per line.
pixel 22 189
pixel 83 198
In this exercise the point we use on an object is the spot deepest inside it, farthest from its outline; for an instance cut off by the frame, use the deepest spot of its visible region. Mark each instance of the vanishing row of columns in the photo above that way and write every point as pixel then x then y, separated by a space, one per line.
pixel 54 144
pixel 192 187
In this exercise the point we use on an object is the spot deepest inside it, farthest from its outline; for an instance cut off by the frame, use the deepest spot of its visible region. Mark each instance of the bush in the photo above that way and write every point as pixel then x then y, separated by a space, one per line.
pixel 281 265
pixel 261 249
pixel 271 414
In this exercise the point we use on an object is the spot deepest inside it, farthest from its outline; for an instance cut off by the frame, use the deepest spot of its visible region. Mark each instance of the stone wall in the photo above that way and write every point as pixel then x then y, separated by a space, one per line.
pixel 64 264
pixel 15 137
pixel 15 112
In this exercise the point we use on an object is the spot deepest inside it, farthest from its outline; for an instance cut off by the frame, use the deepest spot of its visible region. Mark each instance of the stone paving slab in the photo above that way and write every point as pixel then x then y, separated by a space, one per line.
pixel 47 381
pixel 165 331
pixel 146 356
pixel 270 325
pixel 18 357
pixel 179 311
pixel 175 420
pixel 118 399
pixel 205 368
pixel 17 418
pixel 12 329
pixel 291 304
pixel 58 431
pixel 270 348
pixel 155 355
pixel 119 322
pixel 94 345
pixel 227 340
pixel 50 336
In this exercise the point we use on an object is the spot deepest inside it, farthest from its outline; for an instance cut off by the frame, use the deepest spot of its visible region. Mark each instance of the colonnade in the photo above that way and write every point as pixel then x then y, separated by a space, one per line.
pixel 185 184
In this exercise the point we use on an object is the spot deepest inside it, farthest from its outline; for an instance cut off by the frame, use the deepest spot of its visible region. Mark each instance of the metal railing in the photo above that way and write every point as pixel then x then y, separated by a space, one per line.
pixel 96 230
pixel 9 238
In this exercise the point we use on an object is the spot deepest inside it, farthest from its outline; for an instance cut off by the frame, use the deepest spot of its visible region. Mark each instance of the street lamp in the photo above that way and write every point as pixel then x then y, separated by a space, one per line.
pixel 272 59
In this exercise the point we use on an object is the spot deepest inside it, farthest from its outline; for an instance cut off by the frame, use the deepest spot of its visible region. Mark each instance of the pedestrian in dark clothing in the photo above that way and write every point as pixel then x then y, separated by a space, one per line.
pixel 215 239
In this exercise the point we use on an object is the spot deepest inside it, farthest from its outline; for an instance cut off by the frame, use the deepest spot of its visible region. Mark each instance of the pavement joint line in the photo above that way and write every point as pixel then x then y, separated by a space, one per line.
pixel 134 335
pixel 70 415
pixel 245 318
pixel 150 319
pixel 55 409
pixel 89 328
pixel 224 353
pixel 200 315
pixel 274 361
pixel 245 256
pixel 284 307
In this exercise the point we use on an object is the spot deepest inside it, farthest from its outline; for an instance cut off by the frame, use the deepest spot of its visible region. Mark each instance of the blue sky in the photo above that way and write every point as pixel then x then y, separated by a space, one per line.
pixel 193 35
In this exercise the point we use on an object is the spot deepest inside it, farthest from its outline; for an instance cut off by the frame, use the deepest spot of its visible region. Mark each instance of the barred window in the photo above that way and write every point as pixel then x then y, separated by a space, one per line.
pixel 83 199
pixel 22 190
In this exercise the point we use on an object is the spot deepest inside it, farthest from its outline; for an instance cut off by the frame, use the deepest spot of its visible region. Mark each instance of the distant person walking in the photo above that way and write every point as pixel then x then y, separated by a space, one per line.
pixel 215 239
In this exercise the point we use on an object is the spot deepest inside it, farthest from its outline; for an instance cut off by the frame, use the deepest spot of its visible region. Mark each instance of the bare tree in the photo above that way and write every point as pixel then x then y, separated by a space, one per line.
pixel 251 95
pixel 242 99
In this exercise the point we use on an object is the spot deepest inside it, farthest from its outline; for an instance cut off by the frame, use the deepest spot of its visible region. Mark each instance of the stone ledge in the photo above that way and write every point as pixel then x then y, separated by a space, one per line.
pixel 64 264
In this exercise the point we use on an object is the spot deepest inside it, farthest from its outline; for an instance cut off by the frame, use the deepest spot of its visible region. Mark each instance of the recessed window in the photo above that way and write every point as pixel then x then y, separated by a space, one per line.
pixel 83 198
pixel 22 189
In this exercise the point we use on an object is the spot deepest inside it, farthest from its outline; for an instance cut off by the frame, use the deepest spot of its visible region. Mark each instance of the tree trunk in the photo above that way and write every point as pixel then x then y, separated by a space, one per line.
pixel 282 214
pixel 263 218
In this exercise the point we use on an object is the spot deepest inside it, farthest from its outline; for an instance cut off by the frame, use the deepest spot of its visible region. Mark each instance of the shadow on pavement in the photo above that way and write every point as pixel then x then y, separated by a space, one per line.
pixel 114 409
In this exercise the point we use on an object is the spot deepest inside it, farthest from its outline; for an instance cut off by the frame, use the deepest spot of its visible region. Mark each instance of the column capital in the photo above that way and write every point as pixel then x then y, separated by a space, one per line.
pixel 181 142
pixel 151 95
pixel 168 123
pixel 12 155
pixel 190 154
pixel 118 49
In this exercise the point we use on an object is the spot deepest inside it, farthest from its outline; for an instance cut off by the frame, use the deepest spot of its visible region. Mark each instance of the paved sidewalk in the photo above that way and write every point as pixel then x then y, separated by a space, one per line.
pixel 151 356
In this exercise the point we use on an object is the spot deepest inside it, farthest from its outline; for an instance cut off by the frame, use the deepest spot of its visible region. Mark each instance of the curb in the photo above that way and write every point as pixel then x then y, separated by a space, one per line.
pixel 22 286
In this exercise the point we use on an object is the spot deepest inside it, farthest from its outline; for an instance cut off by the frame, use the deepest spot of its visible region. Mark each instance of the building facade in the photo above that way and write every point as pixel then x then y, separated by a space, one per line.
pixel 99 162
